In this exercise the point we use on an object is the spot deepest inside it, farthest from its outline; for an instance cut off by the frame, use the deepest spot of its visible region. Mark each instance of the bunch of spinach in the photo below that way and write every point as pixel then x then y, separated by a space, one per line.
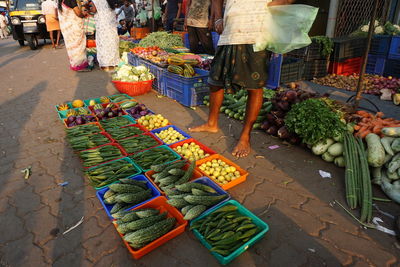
pixel 313 121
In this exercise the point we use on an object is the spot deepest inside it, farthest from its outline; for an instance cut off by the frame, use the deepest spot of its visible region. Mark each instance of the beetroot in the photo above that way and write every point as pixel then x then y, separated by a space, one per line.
pixel 283 133
pixel 291 96
pixel 265 125
pixel 273 130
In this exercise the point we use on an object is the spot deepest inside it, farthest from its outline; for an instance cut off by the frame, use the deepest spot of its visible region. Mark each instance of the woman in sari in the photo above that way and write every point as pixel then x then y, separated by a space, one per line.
pixel 107 40
pixel 71 23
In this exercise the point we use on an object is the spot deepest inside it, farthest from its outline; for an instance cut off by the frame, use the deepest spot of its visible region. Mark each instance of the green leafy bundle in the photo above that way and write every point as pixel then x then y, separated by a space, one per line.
pixel 313 121
pixel 162 40
pixel 326 44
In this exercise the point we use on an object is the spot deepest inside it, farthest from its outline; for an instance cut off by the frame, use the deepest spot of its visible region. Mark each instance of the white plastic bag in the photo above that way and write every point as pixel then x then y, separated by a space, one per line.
pixel 286 28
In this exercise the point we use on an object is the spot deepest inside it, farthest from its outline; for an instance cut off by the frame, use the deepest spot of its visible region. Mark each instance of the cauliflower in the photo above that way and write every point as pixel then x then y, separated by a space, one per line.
pixel 365 28
pixel 397 27
pixel 128 73
pixel 379 30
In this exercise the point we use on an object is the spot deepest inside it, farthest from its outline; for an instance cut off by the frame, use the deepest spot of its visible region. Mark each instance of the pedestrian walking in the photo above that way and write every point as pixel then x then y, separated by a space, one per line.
pixel 71 16
pixel 107 40
pixel 172 13
pixel 49 9
pixel 3 26
pixel 198 26
pixel 236 65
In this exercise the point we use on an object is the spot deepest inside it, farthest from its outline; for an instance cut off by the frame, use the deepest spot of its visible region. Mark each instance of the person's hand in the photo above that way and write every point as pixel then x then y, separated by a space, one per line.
pixel 219 26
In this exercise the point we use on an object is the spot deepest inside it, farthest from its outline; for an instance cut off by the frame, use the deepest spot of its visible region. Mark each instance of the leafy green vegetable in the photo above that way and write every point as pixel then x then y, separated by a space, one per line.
pixel 162 40
pixel 125 46
pixel 313 121
pixel 326 44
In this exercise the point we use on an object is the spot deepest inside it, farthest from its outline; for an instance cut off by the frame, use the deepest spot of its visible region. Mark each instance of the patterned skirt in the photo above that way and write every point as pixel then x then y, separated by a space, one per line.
pixel 237 66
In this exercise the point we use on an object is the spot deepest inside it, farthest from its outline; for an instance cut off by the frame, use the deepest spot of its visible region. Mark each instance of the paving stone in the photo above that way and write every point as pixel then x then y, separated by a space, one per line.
pixel 11 226
pixel 26 201
pixel 40 224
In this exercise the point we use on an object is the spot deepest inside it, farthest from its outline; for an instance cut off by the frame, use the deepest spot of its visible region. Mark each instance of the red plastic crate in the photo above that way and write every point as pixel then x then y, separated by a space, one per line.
pixel 347 67
pixel 161 204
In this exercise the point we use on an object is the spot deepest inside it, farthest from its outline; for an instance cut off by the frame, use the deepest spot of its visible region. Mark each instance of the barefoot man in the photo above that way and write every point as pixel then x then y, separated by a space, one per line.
pixel 236 65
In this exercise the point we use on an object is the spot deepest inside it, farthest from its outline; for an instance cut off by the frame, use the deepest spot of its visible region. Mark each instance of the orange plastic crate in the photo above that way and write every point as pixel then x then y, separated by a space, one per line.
pixel 241 179
pixel 139 33
pixel 196 174
pixel 161 204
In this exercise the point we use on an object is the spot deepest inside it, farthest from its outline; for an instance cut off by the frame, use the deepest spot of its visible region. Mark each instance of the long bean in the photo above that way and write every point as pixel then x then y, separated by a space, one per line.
pixel 366 207
pixel 99 155
pixel 120 133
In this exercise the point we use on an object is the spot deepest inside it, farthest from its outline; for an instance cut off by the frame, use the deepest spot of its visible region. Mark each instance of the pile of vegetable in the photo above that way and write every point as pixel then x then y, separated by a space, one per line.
pixel 226 229
pixel 124 132
pixel 379 29
pixel 368 123
pixel 118 98
pixel 153 54
pixel 167 176
pixel 191 151
pixel 72 121
pixel 125 46
pixel 138 143
pixel 102 100
pixel 154 156
pixel 114 123
pixel 185 70
pixel 141 227
pixel 89 141
pixel 313 121
pixel 129 73
pixel 220 171
pixel 82 130
pixel 139 111
pixel 111 172
pixel 194 198
pixel 162 40
pixel 152 122
pixel 110 111
pixel 129 192
pixel 372 84
pixel 170 136
pixel 99 155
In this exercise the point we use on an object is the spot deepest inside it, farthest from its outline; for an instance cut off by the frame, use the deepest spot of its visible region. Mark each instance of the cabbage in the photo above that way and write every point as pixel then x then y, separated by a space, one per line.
pixel 128 73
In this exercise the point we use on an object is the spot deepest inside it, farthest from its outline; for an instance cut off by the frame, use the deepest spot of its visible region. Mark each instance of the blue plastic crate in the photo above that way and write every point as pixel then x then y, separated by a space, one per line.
pixel 380 45
pixel 214 36
pixel 264 228
pixel 392 68
pixel 376 64
pixel 177 156
pixel 133 59
pixel 155 193
pixel 187 91
pixel 394 51
pixel 274 71
pixel 159 77
pixel 156 131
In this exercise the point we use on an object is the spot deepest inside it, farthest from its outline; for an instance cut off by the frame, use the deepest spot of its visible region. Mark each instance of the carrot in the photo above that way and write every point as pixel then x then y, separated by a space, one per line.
pixel 379 115
pixel 365 119
pixel 363 113
pixel 363 124
pixel 357 127
pixel 363 134
pixel 377 129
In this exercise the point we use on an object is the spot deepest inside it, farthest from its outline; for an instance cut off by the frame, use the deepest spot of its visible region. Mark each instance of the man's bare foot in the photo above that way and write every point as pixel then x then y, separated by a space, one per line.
pixel 242 149
pixel 204 128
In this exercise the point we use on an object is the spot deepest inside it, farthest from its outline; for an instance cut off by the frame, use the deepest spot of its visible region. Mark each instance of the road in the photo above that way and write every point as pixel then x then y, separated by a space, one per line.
pixel 284 187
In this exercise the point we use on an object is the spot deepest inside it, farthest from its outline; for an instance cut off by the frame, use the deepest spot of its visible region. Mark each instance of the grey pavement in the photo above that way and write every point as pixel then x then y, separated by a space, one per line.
pixel 284 188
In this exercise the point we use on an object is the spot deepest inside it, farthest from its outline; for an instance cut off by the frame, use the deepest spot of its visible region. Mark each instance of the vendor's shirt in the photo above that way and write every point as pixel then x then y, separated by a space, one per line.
pixel 129 12
pixel 49 7
pixel 242 21
pixel 172 7
pixel 198 13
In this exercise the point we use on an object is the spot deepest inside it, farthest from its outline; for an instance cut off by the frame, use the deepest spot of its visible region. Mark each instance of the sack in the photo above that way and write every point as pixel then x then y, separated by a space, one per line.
pixel 285 28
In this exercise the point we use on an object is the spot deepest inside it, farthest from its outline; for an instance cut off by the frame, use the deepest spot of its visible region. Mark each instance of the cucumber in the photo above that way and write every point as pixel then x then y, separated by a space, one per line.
pixel 185 209
pixel 189 186
pixel 144 213
pixel 125 188
pixel 110 200
pixel 145 222
pixel 129 217
pixel 142 184
pixel 204 200
pixel 134 198
pixel 177 203
pixel 194 212
pixel 198 192
pixel 108 194
pixel 177 172
pixel 187 175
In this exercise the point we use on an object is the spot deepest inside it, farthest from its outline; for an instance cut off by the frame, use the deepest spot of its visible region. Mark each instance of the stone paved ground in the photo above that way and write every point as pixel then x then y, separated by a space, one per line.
pixel 283 188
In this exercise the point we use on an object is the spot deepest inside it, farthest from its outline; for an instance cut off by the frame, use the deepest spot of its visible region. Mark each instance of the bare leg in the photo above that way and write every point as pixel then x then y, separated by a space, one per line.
pixel 58 38
pixel 52 39
pixel 253 106
pixel 216 99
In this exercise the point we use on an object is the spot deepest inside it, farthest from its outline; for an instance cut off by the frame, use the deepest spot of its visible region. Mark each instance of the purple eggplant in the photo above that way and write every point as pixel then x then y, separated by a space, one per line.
pixel 265 125
pixel 71 119
pixel 283 133
pixel 143 113
pixel 79 120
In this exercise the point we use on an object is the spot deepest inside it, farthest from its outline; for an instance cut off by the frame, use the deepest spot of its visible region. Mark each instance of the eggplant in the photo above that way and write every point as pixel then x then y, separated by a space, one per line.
pixel 279 122
pixel 273 130
pixel 270 118
pixel 143 113
pixel 283 133
pixel 283 105
pixel 71 119
pixel 278 114
pixel 72 124
pixel 265 125
pixel 90 118
pixel 79 120
pixel 291 96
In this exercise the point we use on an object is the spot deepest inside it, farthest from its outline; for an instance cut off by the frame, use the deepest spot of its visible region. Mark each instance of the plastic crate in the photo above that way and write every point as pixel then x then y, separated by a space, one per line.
pixel 392 68
pixel 292 70
pixel 154 193
pixel 158 141
pixel 394 50
pixel 68 104
pixel 187 91
pixel 156 131
pixel 241 179
pixel 66 126
pixel 196 174
pixel 62 114
pixel 137 169
pixel 347 47
pixel 177 156
pixel 308 53
pixel 214 36
pixel 380 45
pixel 123 154
pixel 139 33
pixel 140 127
pixel 242 210
pixel 274 71
pixel 159 77
pixel 315 69
pixel 348 67
pixel 206 149
pixel 376 64
pixel 133 59
pixel 161 204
